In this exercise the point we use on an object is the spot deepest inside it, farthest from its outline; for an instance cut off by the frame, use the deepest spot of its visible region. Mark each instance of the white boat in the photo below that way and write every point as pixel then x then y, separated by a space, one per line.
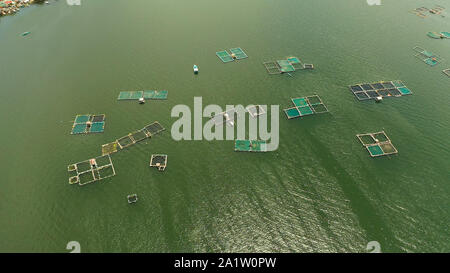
pixel 195 69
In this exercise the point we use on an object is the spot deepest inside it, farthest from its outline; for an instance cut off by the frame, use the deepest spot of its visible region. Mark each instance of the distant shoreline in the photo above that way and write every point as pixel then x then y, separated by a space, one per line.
pixel 11 7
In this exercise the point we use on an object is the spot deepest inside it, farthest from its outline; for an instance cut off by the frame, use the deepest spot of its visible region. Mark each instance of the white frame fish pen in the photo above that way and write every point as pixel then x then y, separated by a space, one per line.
pixel 446 71
pixel 236 54
pixel 158 161
pixel 255 110
pixel 375 146
pixel 290 64
pixel 90 171
pixel 132 138
pixel 427 57
pixel 132 198
pixel 384 89
pixel 305 106
pixel 225 117
pixel 424 12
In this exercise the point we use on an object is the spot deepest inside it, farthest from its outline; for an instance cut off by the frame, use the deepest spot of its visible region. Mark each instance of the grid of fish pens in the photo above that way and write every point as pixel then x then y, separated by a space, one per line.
pixel 91 170
pixel 426 56
pixel 147 95
pixel 385 89
pixel 132 138
pixel 255 110
pixel 377 144
pixel 290 64
pixel 306 106
pixel 88 124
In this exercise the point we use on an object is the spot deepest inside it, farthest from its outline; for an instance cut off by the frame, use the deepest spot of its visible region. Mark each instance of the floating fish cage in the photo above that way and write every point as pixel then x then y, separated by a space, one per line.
pixel 427 57
pixel 226 117
pixel 255 110
pixel 446 71
pixel 250 146
pixel 439 35
pixel 132 198
pixel 91 170
pixel 367 91
pixel 145 95
pixel 88 124
pixel 290 64
pixel 306 106
pixel 377 144
pixel 132 138
pixel 424 12
pixel 159 161
pixel 235 54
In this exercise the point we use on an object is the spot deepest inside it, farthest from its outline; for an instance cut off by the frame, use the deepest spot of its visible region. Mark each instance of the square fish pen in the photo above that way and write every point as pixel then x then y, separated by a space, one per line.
pixel 250 146
pixel 424 12
pixel 159 161
pixel 132 198
pixel 87 124
pixel 290 64
pixel 384 89
pixel 255 110
pixel 427 57
pixel 147 94
pixel 236 54
pixel 306 106
pixel 446 71
pixel 132 138
pixel 91 170
pixel 377 144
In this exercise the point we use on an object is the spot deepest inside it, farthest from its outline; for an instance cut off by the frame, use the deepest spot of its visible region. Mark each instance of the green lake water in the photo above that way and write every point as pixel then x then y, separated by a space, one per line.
pixel 319 192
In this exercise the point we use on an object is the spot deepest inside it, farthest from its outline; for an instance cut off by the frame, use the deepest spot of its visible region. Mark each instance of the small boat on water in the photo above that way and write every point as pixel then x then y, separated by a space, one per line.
pixel 378 99
pixel 195 69
pixel 26 33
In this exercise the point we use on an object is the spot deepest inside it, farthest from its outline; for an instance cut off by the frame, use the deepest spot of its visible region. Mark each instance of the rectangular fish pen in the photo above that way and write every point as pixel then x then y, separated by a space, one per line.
pixel 88 124
pixel 377 144
pixel 91 170
pixel 424 12
pixel 427 57
pixel 250 146
pixel 236 54
pixel 290 64
pixel 147 95
pixel 132 138
pixel 226 117
pixel 367 91
pixel 159 161
pixel 306 106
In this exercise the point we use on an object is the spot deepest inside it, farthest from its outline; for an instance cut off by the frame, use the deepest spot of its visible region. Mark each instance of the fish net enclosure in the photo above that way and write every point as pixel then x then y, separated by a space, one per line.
pixel 132 138
pixel 109 148
pixel 255 110
pixel 159 161
pixel 91 170
pixel 239 53
pixel 125 141
pixel 305 106
pixel 290 64
pixel 367 91
pixel 224 56
pixel 272 68
pixel 148 95
pixel 132 198
pixel 154 128
pixel 250 146
pixel 446 72
pixel 427 57
pixel 377 144
pixel 86 124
